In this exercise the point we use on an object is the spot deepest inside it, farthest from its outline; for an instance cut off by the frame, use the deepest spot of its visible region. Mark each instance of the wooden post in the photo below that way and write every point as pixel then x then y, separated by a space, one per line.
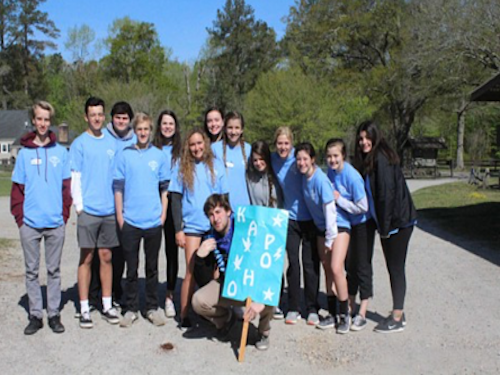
pixel 244 334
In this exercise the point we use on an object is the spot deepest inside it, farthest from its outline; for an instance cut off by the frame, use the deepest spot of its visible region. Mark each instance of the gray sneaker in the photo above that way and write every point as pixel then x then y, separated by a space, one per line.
pixel 263 343
pixel 128 319
pixel 156 317
pixel 312 319
pixel 344 324
pixel 326 323
pixel 292 317
pixel 358 323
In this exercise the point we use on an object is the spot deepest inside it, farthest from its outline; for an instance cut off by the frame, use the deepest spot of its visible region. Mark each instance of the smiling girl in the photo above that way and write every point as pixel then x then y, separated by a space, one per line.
pixel 318 196
pixel 392 208
pixel 263 188
pixel 168 139
pixel 301 231
pixel 198 175
pixel 234 152
pixel 214 124
pixel 352 205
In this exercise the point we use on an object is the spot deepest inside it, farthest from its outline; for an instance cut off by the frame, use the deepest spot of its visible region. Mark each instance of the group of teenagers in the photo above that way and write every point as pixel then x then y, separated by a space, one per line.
pixel 132 180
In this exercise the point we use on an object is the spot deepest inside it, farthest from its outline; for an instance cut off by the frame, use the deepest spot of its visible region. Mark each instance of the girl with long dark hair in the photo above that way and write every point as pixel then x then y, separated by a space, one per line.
pixel 391 206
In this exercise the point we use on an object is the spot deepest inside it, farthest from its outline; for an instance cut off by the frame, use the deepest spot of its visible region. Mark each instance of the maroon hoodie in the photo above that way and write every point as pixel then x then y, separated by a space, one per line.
pixel 17 192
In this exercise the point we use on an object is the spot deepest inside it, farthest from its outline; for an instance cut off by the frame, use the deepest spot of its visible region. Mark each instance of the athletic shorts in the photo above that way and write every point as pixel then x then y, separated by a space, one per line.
pixel 322 233
pixel 97 231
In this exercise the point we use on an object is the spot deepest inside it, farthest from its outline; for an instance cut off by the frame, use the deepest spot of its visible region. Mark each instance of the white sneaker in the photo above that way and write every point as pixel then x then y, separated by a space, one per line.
pixel 169 308
pixel 128 319
pixel 156 317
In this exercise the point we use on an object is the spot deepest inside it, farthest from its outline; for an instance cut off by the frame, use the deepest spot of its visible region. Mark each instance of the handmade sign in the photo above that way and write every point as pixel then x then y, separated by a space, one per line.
pixel 255 265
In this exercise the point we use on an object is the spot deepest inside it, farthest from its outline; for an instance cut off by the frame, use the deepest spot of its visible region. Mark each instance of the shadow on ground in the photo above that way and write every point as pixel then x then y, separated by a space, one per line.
pixel 475 228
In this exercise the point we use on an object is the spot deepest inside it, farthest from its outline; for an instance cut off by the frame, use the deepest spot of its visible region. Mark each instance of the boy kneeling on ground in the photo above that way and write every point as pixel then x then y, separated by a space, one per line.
pixel 211 258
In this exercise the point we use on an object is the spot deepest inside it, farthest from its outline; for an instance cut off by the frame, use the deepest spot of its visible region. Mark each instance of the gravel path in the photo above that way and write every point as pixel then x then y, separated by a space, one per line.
pixel 452 309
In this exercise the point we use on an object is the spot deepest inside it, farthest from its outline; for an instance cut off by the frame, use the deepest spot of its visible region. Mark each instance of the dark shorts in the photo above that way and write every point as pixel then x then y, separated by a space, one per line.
pixel 97 231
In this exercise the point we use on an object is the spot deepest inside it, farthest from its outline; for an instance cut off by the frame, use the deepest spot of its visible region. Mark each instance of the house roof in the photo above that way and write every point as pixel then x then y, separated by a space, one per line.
pixel 14 123
pixel 426 142
pixel 488 91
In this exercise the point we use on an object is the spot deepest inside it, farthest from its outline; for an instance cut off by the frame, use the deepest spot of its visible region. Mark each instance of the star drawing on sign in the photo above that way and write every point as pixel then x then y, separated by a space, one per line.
pixel 268 294
pixel 237 263
pixel 277 220
pixel 246 243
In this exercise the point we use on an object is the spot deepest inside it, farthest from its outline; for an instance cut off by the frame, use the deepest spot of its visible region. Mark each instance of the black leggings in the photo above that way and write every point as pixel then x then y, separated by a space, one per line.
pixel 359 260
pixel 171 251
pixel 395 249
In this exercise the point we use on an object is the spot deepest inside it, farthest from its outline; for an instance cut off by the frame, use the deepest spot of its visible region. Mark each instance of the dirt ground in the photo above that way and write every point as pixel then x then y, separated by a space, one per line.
pixel 452 309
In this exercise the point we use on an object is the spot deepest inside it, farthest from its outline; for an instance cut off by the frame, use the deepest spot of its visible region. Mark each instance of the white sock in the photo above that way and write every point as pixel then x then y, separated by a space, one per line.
pixel 84 306
pixel 106 303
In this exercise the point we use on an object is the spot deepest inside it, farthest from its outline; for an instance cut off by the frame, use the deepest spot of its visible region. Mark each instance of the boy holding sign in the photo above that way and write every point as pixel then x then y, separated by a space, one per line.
pixel 212 257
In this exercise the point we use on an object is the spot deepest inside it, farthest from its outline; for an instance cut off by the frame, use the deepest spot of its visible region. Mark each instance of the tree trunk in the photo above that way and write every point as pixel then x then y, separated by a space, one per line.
pixel 460 134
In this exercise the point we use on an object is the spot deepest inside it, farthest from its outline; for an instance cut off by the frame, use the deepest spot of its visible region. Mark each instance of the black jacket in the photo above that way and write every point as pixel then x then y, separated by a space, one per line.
pixel 393 204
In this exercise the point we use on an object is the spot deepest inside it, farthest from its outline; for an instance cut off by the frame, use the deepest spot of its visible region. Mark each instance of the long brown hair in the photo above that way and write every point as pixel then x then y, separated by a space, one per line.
pixel 160 140
pixel 187 167
pixel 234 116
pixel 261 148
pixel 364 162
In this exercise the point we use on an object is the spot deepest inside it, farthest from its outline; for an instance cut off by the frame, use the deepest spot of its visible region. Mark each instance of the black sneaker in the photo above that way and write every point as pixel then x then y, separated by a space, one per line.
pixel 86 320
pixel 33 326
pixel 326 323
pixel 111 316
pixel 185 324
pixel 390 325
pixel 55 324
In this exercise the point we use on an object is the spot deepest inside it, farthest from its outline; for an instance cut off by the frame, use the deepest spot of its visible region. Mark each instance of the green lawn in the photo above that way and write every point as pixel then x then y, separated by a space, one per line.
pixel 461 213
pixel 5 183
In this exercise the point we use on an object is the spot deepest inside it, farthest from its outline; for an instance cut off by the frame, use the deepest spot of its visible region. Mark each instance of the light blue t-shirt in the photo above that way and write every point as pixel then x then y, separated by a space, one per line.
pixel 93 158
pixel 193 201
pixel 167 150
pixel 318 191
pixel 350 186
pixel 235 172
pixel 42 171
pixel 120 143
pixel 290 180
pixel 142 171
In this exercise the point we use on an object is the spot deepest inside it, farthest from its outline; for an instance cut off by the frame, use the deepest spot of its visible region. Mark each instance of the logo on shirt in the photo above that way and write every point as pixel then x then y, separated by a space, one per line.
pixel 110 153
pixel 54 160
pixel 153 165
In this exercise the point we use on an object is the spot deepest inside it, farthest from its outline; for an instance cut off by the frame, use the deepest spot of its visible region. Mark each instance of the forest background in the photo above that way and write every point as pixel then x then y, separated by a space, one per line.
pixel 409 64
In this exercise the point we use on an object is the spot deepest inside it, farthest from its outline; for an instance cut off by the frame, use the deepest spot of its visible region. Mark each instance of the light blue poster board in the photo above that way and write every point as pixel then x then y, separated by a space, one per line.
pixel 257 255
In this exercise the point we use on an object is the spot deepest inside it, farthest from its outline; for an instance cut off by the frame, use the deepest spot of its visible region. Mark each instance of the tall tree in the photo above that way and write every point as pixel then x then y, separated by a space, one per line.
pixel 135 51
pixel 79 42
pixel 32 20
pixel 242 48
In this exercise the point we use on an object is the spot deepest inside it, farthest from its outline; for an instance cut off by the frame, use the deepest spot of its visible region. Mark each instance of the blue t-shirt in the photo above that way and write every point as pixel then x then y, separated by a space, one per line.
pixel 93 158
pixel 193 201
pixel 235 172
pixel 350 186
pixel 120 142
pixel 169 167
pixel 142 171
pixel 290 180
pixel 42 171
pixel 318 191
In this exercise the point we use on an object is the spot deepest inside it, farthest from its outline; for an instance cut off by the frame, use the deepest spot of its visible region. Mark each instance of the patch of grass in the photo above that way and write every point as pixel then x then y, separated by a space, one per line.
pixel 452 195
pixel 5 184
pixel 465 212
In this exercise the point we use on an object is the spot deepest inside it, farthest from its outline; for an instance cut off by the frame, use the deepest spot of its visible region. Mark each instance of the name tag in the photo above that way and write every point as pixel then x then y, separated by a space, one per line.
pixel 36 161
pixel 229 164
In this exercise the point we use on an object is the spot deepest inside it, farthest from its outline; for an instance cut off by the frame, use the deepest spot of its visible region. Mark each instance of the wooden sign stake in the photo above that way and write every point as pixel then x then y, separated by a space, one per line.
pixel 244 334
